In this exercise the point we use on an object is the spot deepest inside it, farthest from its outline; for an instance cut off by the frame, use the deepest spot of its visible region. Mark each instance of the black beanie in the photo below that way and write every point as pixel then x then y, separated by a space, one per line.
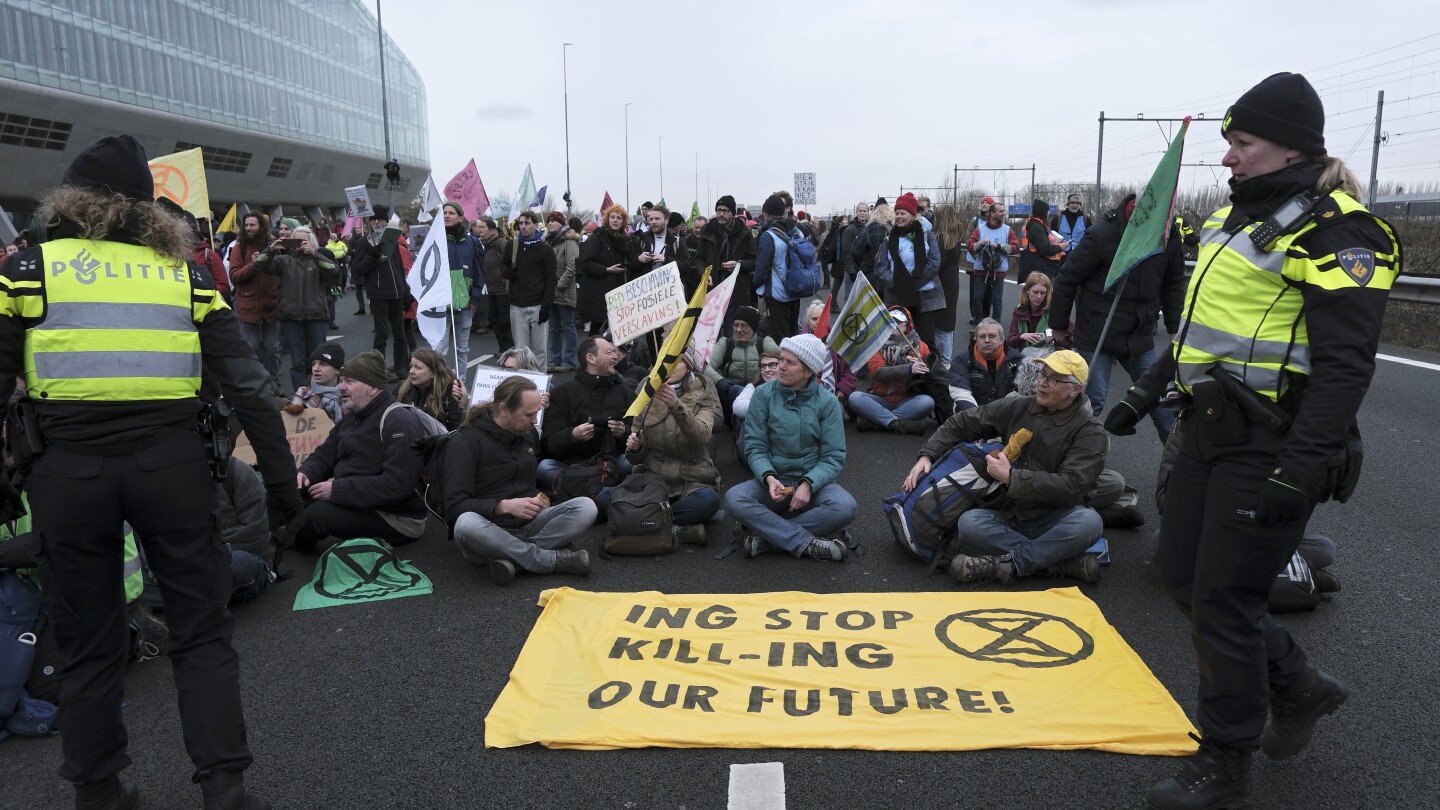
pixel 115 165
pixel 676 219
pixel 726 201
pixel 749 315
pixel 774 206
pixel 1285 109
pixel 381 212
pixel 368 367
pixel 330 353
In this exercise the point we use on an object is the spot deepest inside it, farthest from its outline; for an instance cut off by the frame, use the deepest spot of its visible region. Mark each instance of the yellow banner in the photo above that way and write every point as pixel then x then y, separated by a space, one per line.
pixel 181 177
pixel 229 223
pixel 880 671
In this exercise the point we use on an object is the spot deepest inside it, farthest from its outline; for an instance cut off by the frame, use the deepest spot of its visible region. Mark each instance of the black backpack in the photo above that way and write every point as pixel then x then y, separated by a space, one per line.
pixel 639 516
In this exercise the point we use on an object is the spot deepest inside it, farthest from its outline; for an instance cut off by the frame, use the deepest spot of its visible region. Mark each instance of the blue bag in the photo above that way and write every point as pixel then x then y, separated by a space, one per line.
pixel 923 520
pixel 802 267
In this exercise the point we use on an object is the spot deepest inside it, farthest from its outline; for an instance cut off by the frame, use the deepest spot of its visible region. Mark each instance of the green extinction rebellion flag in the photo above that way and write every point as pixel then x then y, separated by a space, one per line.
pixel 361 570
pixel 1150 224
pixel 862 326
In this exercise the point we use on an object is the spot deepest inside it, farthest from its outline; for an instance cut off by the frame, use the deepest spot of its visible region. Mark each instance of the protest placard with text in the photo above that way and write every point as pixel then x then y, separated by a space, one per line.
pixel 305 431
pixel 652 301
pixel 488 377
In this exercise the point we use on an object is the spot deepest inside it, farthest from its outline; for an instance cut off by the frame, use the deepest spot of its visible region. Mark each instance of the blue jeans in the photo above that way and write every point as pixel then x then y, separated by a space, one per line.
pixel 945 344
pixel 687 510
pixel 1099 386
pixel 303 337
pixel 980 288
pixel 830 510
pixel 463 319
pixel 562 336
pixel 880 411
pixel 264 340
pixel 1034 543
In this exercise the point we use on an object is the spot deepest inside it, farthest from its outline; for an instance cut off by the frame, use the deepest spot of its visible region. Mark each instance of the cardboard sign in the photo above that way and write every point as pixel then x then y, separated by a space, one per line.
pixel 884 671
pixel 306 431
pixel 357 203
pixel 652 301
pixel 488 377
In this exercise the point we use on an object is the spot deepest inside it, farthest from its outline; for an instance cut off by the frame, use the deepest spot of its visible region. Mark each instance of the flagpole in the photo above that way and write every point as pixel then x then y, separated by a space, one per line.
pixel 385 107
pixel 565 61
pixel 1105 330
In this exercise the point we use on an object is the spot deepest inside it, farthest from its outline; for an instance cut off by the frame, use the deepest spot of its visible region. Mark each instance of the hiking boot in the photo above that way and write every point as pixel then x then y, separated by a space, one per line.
pixel 1293 714
pixel 863 425
pixel 1085 567
pixel 1213 778
pixel 1325 580
pixel 755 545
pixel 501 571
pixel 572 562
pixel 822 548
pixel 107 794
pixel 910 427
pixel 692 535
pixel 1121 517
pixel 1000 568
pixel 225 790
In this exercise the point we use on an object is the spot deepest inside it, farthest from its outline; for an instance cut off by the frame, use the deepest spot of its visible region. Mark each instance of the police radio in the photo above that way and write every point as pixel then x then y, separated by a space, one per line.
pixel 1289 217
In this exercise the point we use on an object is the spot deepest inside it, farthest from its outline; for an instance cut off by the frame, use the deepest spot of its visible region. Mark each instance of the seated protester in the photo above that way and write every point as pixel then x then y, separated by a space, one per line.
pixel 894 370
pixel 795 444
pixel 498 518
pixel 734 361
pixel 520 358
pixel 839 379
pixel 360 483
pixel 985 372
pixel 432 387
pixel 671 438
pixel 769 370
pixel 1041 526
pixel 586 417
pixel 324 388
pixel 1031 320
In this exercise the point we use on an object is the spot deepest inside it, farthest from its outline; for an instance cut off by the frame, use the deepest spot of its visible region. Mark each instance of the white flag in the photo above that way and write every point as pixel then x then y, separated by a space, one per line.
pixel 707 328
pixel 429 199
pixel 525 197
pixel 430 284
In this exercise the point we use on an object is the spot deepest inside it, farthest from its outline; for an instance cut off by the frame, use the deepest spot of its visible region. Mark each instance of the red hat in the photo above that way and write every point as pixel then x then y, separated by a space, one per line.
pixel 556 216
pixel 800 215
pixel 906 202
pixel 988 201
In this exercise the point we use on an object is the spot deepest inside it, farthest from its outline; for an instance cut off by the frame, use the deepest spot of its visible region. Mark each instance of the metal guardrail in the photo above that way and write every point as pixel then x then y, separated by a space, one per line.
pixel 1411 289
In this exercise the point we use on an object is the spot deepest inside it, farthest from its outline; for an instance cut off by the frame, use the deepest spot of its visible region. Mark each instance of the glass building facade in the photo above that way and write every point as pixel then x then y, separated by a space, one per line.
pixel 301 71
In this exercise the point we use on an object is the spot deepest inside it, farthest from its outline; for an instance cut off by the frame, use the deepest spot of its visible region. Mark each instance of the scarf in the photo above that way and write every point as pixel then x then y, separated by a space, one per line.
pixel 985 364
pixel 534 240
pixel 914 232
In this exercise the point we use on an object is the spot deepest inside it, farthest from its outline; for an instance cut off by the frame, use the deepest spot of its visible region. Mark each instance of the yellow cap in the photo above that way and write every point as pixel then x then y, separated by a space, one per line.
pixel 1067 363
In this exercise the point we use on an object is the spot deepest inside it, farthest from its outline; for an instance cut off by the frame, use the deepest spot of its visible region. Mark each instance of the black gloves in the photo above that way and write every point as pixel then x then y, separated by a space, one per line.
pixel 1281 504
pixel 284 505
pixel 544 315
pixel 1122 419
pixel 12 507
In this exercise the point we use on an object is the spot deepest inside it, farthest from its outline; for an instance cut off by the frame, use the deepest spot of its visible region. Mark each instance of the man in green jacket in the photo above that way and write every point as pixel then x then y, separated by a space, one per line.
pixel 795 443
pixel 1042 526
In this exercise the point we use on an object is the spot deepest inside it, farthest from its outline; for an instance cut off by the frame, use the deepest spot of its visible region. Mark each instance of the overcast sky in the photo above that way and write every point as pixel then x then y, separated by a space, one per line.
pixel 871 96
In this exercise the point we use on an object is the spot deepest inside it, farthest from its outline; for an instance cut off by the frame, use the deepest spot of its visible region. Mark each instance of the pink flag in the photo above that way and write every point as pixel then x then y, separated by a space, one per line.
pixel 605 206
pixel 467 189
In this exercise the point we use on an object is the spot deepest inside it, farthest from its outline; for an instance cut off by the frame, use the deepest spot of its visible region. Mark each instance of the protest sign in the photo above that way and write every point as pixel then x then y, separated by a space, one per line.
pixel 487 377
pixel 651 301
pixel 357 203
pixel 306 431
pixel 804 188
pixel 883 671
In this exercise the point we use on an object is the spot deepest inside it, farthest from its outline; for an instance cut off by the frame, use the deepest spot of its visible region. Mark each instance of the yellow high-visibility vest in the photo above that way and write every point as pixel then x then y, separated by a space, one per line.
pixel 1251 316
pixel 116 323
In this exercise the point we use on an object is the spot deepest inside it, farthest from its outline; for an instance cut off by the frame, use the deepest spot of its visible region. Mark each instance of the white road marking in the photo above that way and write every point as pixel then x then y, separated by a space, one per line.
pixel 1407 361
pixel 757 787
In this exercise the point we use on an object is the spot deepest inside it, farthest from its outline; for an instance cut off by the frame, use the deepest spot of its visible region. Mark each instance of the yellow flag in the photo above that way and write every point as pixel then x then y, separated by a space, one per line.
pixel 181 177
pixel 882 671
pixel 228 223
pixel 674 346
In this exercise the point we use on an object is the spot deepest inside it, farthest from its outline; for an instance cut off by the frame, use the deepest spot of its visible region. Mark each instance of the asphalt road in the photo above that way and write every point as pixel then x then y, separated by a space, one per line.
pixel 383 705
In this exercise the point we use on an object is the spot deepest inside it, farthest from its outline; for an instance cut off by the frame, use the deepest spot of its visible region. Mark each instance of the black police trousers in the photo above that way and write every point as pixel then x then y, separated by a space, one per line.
pixel 1218 566
pixel 78 503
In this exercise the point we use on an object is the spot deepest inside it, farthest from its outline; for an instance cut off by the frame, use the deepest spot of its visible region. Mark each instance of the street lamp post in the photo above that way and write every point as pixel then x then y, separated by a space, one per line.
pixel 565 69
pixel 627 156
pixel 697 177
pixel 661 148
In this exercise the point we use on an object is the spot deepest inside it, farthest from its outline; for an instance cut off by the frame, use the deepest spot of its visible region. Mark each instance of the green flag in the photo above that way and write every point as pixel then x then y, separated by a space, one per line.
pixel 525 197
pixel 862 326
pixel 1154 212
pixel 361 570
pixel 694 212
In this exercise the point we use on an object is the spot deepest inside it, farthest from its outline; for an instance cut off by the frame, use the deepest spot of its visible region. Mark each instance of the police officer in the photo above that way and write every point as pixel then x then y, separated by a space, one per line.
pixel 112 329
pixel 1276 349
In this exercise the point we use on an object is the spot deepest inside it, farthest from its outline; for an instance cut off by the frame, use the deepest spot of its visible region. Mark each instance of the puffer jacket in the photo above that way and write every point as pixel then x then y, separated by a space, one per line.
pixel 604 249
pixel 257 294
pixel 566 244
pixel 467 257
pixel 795 435
pixel 304 283
pixel 736 360
pixel 676 440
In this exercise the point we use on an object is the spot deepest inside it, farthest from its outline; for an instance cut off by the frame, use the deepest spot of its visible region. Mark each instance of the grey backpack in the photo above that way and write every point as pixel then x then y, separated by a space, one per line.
pixel 639 518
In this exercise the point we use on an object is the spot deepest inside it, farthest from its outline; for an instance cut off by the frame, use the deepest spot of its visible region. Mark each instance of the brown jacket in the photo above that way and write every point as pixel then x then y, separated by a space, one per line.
pixel 677 442
pixel 566 245
pixel 257 294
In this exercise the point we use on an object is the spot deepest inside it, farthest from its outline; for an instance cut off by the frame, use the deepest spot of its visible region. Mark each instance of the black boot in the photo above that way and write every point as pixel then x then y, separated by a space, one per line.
pixel 225 790
pixel 1215 778
pixel 107 794
pixel 1293 714
pixel 572 562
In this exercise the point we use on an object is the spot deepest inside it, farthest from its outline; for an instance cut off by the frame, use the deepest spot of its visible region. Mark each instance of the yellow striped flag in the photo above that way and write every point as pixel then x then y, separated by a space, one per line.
pixel 674 346
pixel 181 177
pixel 228 223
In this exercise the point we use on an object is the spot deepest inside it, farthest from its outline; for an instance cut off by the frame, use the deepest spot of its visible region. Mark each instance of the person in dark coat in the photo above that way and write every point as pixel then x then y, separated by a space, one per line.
pixel 985 372
pixel 586 416
pixel 602 268
pixel 1037 254
pixel 1156 285
pixel 498 289
pixel 727 246
pixel 382 268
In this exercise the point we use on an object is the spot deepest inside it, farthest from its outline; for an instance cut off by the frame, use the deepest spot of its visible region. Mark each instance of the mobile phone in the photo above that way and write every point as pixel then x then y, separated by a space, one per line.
pixel 291 244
